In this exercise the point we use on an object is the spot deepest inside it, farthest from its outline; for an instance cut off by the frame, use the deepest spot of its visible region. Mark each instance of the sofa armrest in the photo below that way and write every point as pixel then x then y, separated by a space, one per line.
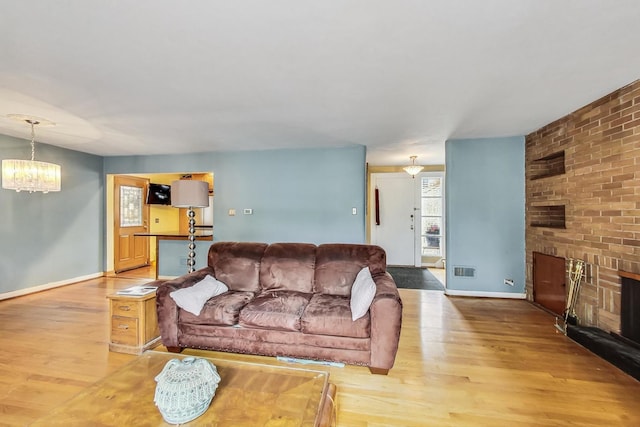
pixel 168 310
pixel 386 322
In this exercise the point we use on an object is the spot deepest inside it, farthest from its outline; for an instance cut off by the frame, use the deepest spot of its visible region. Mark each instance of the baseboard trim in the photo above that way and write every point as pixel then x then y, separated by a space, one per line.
pixel 47 286
pixel 483 294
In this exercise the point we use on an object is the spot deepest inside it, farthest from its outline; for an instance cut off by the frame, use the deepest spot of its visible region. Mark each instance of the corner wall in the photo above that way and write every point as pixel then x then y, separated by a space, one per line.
pixel 54 238
pixel 485 216
pixel 599 190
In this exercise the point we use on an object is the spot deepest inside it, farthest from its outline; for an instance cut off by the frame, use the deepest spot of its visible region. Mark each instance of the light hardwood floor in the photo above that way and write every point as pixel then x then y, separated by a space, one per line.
pixel 462 362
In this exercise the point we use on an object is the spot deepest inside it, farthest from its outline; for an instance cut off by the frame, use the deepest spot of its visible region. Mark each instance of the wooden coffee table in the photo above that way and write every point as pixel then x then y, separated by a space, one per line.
pixel 249 394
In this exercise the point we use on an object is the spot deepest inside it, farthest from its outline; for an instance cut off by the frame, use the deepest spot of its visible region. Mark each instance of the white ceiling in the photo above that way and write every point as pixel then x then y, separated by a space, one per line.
pixel 401 77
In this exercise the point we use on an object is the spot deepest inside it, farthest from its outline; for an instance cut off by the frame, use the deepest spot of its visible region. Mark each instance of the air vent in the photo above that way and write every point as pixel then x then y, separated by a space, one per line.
pixel 464 272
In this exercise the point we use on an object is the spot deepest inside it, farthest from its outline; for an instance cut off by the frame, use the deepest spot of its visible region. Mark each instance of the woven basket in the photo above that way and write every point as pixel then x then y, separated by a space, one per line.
pixel 185 388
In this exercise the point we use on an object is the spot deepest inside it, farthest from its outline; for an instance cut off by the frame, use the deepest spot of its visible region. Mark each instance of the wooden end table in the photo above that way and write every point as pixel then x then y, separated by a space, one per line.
pixel 133 322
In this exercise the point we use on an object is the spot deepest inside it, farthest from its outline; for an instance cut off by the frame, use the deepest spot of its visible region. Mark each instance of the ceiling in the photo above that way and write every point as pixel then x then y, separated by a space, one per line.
pixel 400 77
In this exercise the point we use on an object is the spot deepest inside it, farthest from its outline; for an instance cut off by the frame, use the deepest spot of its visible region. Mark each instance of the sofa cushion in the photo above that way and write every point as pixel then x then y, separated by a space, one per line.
pixel 362 293
pixel 331 315
pixel 221 310
pixel 288 267
pixel 237 264
pixel 338 264
pixel 279 310
pixel 193 298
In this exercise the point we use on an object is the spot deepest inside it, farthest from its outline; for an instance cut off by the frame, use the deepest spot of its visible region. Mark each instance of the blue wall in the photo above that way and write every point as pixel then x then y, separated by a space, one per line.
pixel 46 238
pixel 485 213
pixel 297 195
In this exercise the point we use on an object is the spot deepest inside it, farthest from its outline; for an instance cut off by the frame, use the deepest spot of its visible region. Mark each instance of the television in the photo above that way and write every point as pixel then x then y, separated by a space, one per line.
pixel 159 194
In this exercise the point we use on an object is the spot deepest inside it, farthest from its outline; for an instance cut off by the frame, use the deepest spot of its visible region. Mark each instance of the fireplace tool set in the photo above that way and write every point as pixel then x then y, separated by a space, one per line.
pixel 576 267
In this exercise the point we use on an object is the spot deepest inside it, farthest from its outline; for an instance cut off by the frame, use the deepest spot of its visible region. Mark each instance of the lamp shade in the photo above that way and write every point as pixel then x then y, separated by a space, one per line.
pixel 30 175
pixel 186 193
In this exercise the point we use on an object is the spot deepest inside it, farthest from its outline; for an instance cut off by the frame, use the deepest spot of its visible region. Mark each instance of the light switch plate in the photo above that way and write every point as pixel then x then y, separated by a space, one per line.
pixel 232 212
pixel 248 211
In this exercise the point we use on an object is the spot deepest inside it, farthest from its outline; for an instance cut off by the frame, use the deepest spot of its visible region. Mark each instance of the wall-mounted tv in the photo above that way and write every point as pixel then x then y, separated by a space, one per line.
pixel 159 194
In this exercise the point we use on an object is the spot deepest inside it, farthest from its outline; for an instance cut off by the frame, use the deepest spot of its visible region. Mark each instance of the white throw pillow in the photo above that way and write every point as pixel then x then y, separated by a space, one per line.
pixel 362 292
pixel 193 298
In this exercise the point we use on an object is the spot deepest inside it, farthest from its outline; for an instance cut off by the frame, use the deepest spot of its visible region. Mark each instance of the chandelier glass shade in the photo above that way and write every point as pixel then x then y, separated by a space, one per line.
pixel 30 175
pixel 413 169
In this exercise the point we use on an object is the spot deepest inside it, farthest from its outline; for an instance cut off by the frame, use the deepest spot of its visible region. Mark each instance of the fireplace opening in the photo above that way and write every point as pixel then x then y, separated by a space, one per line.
pixel 630 307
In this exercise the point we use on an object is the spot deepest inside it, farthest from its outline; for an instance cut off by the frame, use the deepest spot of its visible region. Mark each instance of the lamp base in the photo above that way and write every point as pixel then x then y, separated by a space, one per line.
pixel 191 256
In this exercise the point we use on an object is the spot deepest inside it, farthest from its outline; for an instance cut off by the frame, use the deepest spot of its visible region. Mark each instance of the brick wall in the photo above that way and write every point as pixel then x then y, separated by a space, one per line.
pixel 599 190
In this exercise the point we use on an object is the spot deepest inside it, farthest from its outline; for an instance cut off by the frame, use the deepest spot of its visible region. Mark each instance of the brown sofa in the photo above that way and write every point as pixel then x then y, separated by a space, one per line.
pixel 288 299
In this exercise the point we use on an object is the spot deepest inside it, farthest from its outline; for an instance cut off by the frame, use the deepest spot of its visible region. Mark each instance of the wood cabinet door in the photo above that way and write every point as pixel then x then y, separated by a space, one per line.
pixel 549 282
pixel 131 215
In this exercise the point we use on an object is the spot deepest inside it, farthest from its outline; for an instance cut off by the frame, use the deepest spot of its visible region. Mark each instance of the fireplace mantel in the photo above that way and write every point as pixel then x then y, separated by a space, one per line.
pixel 633 276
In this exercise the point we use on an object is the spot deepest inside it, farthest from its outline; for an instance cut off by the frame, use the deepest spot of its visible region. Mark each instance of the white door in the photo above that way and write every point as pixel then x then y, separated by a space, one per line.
pixel 398 217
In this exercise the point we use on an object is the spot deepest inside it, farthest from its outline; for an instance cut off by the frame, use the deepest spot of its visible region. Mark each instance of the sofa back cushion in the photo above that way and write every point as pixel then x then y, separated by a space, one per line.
pixel 237 264
pixel 338 264
pixel 288 267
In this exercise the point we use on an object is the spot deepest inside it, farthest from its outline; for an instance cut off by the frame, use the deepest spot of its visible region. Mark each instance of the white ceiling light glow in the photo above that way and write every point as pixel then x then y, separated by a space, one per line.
pixel 30 175
pixel 413 169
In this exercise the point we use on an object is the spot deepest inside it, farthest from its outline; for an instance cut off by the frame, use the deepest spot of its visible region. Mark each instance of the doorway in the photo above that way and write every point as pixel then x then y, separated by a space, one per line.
pixel 407 217
pixel 160 219
pixel 395 218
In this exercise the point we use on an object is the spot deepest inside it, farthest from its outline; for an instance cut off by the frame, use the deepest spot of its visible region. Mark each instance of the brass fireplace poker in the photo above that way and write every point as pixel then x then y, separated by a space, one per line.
pixel 576 267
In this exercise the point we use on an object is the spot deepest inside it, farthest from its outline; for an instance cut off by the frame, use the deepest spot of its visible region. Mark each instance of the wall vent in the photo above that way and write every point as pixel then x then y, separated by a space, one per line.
pixel 464 272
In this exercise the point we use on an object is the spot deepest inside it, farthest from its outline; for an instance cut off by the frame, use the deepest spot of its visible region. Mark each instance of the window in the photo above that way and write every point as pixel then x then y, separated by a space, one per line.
pixel 431 221
pixel 130 206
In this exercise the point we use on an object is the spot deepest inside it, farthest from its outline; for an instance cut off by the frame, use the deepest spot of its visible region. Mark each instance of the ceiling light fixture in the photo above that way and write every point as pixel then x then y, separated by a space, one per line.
pixel 413 169
pixel 30 175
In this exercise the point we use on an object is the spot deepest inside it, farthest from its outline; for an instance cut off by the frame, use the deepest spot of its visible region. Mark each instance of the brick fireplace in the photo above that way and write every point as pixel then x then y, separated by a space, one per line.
pixel 583 199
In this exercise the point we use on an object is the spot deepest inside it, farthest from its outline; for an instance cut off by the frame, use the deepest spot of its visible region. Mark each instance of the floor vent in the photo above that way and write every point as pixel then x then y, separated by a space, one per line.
pixel 464 272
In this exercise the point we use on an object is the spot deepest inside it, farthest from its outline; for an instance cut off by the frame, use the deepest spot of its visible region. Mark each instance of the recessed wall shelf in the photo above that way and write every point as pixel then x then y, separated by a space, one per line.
pixel 547 166
pixel 547 216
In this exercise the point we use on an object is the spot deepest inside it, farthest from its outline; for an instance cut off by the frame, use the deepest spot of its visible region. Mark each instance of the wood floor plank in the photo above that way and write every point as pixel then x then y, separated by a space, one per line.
pixel 461 362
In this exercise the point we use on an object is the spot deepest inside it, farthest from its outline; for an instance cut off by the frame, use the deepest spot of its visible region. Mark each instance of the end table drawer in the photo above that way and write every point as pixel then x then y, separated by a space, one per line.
pixel 125 308
pixel 124 330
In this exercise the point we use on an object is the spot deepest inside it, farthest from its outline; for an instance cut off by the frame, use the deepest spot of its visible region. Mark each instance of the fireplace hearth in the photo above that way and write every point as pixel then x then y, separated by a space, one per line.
pixel 621 350
pixel 615 351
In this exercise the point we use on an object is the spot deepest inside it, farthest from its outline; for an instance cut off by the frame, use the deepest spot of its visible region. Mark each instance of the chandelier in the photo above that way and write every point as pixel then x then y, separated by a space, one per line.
pixel 413 169
pixel 30 175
